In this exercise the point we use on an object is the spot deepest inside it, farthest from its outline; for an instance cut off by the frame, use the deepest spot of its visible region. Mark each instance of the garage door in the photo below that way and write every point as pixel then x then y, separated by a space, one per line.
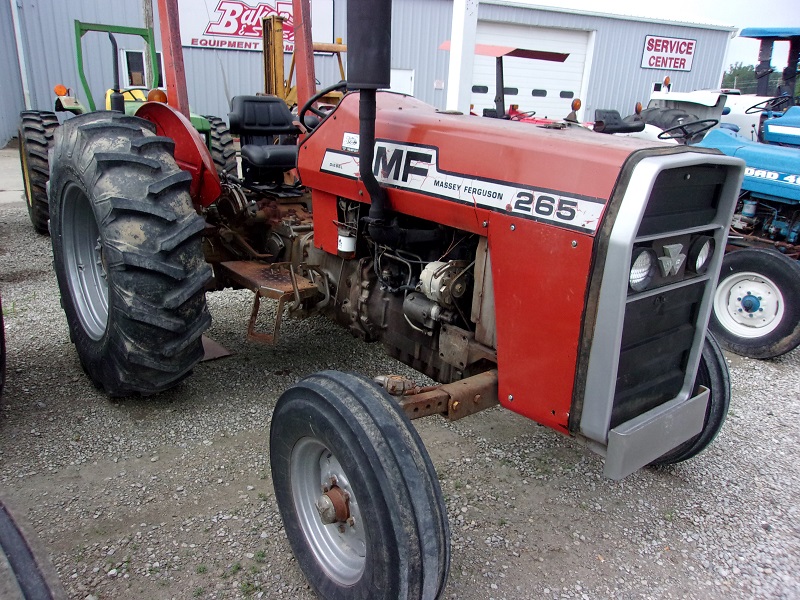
pixel 546 87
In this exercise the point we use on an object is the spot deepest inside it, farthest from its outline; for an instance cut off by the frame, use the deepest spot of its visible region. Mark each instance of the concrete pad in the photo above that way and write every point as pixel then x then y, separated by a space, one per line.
pixel 11 187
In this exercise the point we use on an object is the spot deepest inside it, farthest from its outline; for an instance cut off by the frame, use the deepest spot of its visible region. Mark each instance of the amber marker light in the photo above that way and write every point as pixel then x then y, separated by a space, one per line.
pixel 60 90
pixel 157 95
pixel 667 81
pixel 638 108
pixel 576 104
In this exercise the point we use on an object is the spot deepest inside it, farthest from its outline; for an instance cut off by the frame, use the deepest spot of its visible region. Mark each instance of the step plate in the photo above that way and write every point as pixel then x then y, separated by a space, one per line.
pixel 269 281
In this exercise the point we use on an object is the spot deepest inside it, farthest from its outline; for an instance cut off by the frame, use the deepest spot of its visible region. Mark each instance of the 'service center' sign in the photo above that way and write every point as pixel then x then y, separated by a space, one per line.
pixel 668 53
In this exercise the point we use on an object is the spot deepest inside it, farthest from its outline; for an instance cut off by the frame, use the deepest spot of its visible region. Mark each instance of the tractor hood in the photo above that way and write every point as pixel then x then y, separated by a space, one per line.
pixel 772 171
pixel 449 152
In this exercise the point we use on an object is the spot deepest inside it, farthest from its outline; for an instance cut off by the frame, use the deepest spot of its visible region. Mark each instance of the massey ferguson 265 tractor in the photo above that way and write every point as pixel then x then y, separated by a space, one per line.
pixel 566 275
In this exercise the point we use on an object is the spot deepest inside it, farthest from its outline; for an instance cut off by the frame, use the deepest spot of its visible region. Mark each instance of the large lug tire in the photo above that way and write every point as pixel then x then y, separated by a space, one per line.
pixel 2 351
pixel 713 374
pixel 127 253
pixel 221 146
pixel 35 140
pixel 340 433
pixel 757 303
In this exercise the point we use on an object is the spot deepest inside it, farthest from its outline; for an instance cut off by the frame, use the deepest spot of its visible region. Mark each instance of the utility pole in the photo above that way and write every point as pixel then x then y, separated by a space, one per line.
pixel 149 67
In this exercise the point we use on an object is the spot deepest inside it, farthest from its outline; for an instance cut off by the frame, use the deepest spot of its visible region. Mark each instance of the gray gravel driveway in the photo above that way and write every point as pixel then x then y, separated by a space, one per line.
pixel 171 497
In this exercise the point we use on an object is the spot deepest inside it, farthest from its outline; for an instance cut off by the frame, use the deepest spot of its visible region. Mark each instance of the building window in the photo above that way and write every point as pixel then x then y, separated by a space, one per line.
pixel 134 70
pixel 539 93
pixel 510 91
pixel 480 89
pixel 567 94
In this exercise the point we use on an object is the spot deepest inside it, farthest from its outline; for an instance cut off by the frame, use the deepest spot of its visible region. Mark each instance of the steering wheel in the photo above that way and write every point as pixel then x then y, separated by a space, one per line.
pixel 687 131
pixel 309 105
pixel 768 104
pixel 523 115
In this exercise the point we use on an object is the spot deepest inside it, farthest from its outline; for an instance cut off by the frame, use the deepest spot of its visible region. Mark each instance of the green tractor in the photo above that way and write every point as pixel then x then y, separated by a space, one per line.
pixel 37 128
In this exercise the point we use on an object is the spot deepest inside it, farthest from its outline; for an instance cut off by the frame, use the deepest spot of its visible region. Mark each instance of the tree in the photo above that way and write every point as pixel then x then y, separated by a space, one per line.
pixel 743 77
pixel 739 75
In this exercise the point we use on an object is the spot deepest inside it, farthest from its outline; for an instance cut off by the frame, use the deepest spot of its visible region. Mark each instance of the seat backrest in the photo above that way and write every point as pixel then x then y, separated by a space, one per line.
pixel 610 121
pixel 259 116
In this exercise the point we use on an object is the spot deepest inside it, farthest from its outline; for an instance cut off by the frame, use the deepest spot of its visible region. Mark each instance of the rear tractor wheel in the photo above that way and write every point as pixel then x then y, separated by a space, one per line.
pixel 221 146
pixel 127 254
pixel 357 492
pixel 2 351
pixel 35 140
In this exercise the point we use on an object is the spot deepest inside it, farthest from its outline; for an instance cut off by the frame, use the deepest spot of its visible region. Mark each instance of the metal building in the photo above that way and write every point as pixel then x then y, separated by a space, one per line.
pixel 612 60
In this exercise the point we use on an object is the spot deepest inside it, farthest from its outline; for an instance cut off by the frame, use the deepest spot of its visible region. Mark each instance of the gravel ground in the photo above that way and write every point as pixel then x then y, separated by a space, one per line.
pixel 171 497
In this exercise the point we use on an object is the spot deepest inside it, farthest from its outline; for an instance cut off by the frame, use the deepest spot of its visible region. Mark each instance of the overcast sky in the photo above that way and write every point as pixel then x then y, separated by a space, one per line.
pixel 735 13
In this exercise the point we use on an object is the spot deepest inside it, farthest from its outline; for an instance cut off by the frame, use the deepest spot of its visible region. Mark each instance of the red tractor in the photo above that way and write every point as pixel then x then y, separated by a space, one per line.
pixel 567 276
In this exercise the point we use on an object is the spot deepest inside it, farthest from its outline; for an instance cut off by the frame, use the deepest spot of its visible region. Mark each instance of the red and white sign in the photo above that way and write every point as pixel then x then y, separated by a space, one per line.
pixel 668 53
pixel 237 24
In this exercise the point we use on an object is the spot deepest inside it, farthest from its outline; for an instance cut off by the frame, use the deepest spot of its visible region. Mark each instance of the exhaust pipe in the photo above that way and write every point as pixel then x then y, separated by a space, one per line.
pixel 369 43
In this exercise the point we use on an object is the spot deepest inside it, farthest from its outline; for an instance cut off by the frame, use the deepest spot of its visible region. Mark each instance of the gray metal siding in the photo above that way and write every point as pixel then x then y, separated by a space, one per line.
pixel 49 41
pixel 11 97
pixel 616 79
pixel 419 26
pixel 213 76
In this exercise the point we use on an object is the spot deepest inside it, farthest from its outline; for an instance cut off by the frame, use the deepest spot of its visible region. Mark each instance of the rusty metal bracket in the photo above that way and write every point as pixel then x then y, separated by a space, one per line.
pixel 277 281
pixel 451 400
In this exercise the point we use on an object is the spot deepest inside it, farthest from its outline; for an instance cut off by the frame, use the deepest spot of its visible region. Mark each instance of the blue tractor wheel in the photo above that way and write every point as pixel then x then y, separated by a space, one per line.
pixel 757 303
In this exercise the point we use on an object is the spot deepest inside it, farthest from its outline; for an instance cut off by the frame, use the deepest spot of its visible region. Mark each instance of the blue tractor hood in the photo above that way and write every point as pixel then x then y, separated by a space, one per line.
pixel 772 171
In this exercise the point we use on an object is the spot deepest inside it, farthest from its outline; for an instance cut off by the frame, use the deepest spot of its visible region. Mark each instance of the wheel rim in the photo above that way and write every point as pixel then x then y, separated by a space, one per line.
pixel 83 260
pixel 339 548
pixel 749 305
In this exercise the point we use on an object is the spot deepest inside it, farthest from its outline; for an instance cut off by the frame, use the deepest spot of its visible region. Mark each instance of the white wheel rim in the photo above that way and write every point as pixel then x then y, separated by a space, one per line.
pixel 339 548
pixel 749 305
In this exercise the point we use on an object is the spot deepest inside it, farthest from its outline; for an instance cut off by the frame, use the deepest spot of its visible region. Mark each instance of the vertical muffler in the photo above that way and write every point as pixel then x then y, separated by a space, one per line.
pixel 369 61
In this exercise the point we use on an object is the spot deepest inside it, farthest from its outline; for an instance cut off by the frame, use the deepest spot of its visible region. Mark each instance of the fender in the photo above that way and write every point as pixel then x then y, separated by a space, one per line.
pixel 191 153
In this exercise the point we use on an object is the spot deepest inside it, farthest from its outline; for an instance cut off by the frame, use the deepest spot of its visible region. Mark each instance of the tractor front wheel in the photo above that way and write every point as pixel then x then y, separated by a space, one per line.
pixel 127 253
pixel 35 140
pixel 757 303
pixel 357 492
pixel 221 146
pixel 712 374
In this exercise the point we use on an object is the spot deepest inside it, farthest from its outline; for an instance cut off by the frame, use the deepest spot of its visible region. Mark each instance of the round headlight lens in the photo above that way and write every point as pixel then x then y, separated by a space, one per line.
pixel 642 269
pixel 700 254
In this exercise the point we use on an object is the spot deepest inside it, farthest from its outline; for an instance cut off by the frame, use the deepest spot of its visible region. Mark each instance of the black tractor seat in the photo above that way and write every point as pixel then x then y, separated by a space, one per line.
pixel 267 135
pixel 273 156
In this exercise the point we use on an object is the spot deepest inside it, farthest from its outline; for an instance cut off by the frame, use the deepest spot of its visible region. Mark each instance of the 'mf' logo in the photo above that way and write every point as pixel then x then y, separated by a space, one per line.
pixel 396 164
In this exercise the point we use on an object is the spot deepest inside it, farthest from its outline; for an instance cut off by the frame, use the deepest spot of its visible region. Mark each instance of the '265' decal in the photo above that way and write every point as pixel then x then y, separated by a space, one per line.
pixel 416 168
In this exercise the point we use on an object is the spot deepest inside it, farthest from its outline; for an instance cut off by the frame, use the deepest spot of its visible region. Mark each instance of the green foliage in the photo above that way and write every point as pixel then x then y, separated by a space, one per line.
pixel 743 77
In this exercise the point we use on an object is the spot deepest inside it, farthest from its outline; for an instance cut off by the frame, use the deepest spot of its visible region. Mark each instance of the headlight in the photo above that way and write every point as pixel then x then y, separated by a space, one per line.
pixel 700 253
pixel 643 268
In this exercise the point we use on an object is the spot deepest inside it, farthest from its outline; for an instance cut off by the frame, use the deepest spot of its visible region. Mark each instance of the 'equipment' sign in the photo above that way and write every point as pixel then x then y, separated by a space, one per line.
pixel 668 53
pixel 236 24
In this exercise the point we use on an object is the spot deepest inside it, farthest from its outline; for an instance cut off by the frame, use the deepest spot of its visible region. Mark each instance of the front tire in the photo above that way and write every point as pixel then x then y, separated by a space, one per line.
pixel 712 374
pixel 35 140
pixel 127 254
pixel 336 440
pixel 757 303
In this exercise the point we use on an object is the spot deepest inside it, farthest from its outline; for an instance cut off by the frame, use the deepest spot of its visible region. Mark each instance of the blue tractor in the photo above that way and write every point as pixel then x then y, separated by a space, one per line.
pixel 757 303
